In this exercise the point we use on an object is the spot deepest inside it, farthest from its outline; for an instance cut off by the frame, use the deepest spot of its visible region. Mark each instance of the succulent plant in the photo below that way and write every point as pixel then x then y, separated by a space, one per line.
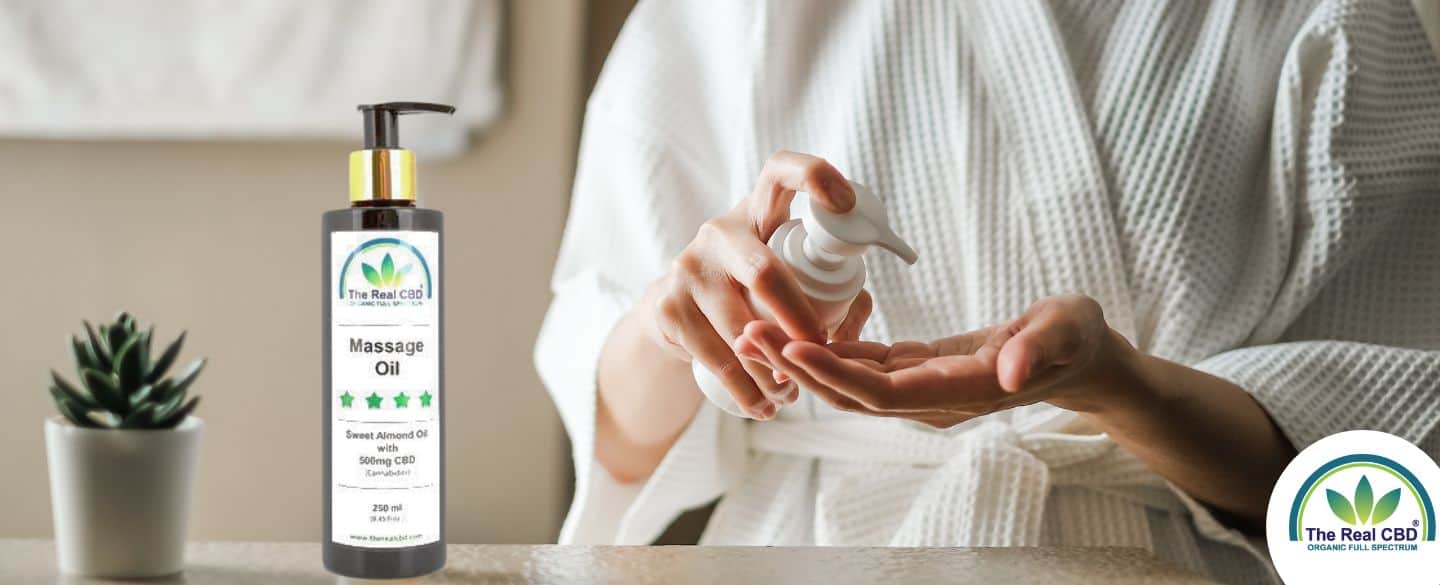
pixel 121 387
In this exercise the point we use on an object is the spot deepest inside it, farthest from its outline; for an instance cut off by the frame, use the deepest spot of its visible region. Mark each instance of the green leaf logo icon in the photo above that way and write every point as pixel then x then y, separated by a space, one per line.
pixel 371 275
pixel 387 276
pixel 1386 506
pixel 1364 500
pixel 1341 507
pixel 387 271
pixel 1365 509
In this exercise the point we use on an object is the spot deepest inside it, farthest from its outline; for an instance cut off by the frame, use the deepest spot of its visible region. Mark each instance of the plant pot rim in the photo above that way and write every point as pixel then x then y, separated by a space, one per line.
pixel 191 424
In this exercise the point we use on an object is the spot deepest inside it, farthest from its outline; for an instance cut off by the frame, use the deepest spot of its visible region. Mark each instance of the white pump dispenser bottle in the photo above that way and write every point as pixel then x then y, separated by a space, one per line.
pixel 823 250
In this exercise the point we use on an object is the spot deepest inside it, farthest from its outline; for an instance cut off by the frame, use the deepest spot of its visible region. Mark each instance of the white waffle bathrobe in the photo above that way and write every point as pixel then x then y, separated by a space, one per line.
pixel 1249 188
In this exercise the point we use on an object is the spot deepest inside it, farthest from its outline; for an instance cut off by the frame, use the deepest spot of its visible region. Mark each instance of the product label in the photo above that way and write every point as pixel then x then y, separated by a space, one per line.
pixel 385 393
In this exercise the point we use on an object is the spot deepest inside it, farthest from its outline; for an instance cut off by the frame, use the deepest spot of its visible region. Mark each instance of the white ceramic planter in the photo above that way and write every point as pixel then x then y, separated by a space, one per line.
pixel 121 499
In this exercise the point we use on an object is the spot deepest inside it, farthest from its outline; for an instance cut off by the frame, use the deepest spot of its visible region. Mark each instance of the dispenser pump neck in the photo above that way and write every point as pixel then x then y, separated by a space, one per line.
pixel 384 172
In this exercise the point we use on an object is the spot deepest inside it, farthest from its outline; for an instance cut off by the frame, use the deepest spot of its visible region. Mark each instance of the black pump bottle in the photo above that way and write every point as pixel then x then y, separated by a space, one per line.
pixel 383 372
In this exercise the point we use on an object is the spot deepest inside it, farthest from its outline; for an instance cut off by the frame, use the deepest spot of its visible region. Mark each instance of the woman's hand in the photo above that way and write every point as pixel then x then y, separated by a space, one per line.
pixel 1202 433
pixel 1060 351
pixel 699 309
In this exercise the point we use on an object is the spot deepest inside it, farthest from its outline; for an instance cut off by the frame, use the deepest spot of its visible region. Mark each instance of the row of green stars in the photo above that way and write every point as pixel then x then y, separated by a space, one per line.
pixel 376 401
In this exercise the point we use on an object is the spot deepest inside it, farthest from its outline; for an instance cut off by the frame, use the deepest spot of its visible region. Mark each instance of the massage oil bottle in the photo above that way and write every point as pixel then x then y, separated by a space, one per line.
pixel 383 374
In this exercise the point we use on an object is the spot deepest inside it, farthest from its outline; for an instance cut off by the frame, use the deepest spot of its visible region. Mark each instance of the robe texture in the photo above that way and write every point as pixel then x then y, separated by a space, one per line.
pixel 1248 188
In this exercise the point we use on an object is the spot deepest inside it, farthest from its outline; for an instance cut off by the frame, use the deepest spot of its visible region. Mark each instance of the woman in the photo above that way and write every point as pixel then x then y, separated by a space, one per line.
pixel 1162 246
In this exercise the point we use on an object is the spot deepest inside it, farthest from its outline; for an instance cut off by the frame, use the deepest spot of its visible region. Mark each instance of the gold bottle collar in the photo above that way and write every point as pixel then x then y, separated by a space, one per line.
pixel 382 173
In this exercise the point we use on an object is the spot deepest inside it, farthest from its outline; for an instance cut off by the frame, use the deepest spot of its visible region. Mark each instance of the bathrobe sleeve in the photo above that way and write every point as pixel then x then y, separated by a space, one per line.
pixel 1352 337
pixel 652 167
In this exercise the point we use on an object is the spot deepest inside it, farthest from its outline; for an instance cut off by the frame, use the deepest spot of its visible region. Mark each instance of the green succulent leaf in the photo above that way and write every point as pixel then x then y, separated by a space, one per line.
pixel 105 387
pixel 129 365
pixel 71 392
pixel 75 413
pixel 371 275
pixel 387 271
pixel 164 408
pixel 163 390
pixel 84 356
pixel 158 369
pixel 1364 500
pixel 142 395
pixel 115 337
pixel 1386 506
pixel 126 322
pixel 140 418
pixel 179 415
pixel 96 345
pixel 103 419
pixel 188 377
pixel 145 339
pixel 1341 507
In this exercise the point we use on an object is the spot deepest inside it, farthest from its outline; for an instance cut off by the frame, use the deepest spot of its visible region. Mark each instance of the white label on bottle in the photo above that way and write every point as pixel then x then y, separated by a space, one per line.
pixel 385 393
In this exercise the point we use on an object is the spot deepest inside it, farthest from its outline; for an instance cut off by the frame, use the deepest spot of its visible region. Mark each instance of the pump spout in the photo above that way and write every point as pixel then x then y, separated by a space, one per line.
pixel 850 233
pixel 892 241
pixel 382 129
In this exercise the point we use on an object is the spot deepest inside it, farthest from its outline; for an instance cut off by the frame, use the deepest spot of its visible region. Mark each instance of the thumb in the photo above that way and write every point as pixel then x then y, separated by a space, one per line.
pixel 1039 342
pixel 1019 357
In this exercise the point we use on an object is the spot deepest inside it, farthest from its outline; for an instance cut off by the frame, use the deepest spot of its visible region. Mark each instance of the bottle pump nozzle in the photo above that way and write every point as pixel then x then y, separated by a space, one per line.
pixel 833 234
pixel 823 248
pixel 384 170
pixel 381 120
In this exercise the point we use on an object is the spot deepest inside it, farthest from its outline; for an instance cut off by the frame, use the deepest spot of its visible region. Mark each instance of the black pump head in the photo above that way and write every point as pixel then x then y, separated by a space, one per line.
pixel 381 129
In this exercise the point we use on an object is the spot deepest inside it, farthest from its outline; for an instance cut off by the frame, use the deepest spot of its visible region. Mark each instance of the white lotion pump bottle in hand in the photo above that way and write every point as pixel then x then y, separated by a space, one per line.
pixel 823 251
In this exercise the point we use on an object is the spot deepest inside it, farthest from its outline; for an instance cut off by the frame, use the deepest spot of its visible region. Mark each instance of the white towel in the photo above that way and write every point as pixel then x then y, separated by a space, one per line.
pixel 254 69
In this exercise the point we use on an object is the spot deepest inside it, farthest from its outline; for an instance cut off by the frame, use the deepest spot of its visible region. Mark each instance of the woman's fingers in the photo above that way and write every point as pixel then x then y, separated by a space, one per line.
pixel 849 328
pixel 771 340
pixel 770 282
pixel 766 340
pixel 728 313
pixel 784 393
pixel 691 329
pixel 878 391
pixel 724 307
pixel 867 386
pixel 911 385
pixel 784 174
pixel 867 378
pixel 965 343
pixel 865 350
pixel 778 390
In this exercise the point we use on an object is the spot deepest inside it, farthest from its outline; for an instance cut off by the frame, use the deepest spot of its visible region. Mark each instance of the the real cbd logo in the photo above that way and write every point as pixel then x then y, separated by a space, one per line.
pixel 1361 510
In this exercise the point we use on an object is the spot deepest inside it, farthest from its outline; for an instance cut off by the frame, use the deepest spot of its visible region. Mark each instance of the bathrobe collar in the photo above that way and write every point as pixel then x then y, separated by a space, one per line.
pixel 1024 64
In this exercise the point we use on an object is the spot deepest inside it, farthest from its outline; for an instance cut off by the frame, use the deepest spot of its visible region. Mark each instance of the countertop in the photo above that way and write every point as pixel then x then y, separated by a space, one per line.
pixel 26 562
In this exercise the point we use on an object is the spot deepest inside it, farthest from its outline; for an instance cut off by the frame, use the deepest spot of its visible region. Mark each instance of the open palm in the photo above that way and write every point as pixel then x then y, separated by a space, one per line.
pixel 1060 350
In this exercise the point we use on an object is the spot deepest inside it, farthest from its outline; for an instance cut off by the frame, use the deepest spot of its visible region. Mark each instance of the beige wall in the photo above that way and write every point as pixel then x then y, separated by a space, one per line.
pixel 222 239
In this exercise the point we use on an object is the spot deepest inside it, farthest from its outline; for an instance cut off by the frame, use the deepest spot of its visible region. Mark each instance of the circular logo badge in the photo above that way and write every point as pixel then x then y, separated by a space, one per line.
pixel 1356 507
